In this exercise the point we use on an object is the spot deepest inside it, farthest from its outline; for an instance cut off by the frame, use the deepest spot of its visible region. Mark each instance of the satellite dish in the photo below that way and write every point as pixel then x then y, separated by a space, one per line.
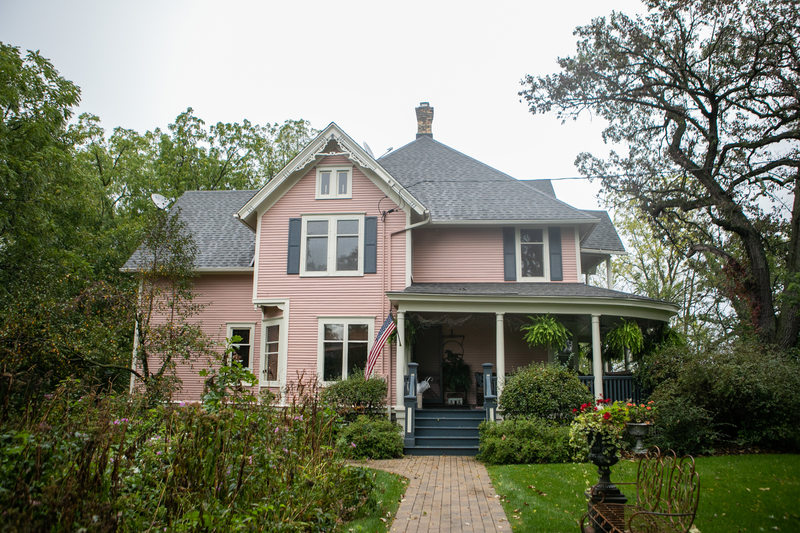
pixel 369 150
pixel 161 201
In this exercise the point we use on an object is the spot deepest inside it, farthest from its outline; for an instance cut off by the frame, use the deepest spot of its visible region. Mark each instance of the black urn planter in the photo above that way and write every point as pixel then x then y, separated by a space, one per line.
pixel 604 456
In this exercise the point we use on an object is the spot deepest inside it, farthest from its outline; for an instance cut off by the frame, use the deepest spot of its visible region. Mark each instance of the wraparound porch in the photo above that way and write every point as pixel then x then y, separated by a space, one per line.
pixel 483 320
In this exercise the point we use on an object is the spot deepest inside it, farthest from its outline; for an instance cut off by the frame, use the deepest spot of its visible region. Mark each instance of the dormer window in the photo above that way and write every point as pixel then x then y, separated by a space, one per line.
pixel 334 182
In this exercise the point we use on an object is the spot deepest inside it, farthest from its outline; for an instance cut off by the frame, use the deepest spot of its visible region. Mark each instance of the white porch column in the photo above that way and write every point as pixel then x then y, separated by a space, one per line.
pixel 609 274
pixel 597 361
pixel 400 363
pixel 501 353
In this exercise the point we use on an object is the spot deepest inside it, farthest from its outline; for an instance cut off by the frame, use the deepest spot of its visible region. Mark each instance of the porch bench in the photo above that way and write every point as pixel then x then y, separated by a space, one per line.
pixel 667 495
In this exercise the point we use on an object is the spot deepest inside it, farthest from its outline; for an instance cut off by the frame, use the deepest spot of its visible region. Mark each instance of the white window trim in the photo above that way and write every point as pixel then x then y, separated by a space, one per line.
pixel 244 325
pixel 282 338
pixel 346 320
pixel 331 270
pixel 545 252
pixel 334 185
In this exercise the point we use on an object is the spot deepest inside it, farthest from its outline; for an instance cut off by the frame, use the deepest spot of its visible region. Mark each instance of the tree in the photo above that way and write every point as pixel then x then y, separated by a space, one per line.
pixel 656 268
pixel 164 330
pixel 705 96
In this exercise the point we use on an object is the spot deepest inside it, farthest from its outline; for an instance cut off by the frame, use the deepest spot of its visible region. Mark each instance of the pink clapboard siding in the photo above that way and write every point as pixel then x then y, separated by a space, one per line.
pixel 225 298
pixel 336 296
pixel 473 254
pixel 569 261
pixel 453 254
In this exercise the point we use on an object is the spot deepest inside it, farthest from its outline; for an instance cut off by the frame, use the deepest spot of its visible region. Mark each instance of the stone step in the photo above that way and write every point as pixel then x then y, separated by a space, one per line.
pixel 441 450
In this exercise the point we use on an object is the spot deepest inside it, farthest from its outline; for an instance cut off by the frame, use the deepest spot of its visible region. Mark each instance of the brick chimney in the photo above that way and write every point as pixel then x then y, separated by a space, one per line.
pixel 424 120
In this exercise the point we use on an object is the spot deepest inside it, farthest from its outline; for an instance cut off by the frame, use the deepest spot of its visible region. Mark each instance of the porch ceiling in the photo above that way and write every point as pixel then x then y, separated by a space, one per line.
pixel 559 298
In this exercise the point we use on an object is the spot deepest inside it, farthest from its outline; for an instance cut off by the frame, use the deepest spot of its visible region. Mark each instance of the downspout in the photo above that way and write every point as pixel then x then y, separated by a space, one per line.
pixel 135 340
pixel 413 226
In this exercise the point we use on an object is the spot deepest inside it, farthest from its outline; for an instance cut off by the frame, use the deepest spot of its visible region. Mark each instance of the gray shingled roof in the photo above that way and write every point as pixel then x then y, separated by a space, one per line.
pixel 523 290
pixel 542 185
pixel 222 241
pixel 603 236
pixel 453 187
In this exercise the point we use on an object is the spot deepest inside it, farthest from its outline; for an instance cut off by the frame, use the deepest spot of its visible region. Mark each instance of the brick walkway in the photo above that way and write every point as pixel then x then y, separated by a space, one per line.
pixel 445 494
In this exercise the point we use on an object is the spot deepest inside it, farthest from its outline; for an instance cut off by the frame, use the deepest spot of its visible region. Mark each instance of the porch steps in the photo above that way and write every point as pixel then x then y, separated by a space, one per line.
pixel 446 432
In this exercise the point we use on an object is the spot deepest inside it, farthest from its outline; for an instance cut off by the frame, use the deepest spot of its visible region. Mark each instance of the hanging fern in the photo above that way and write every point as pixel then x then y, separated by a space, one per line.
pixel 546 330
pixel 626 335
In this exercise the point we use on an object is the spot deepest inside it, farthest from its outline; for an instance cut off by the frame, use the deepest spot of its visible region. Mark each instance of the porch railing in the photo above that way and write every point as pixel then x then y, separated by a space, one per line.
pixel 615 387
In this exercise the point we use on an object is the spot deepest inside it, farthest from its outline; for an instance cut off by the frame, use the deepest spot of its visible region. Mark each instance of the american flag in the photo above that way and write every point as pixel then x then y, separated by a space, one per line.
pixel 386 330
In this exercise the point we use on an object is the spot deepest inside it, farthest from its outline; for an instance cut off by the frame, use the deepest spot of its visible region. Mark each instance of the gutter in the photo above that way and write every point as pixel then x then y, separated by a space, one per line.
pixel 413 226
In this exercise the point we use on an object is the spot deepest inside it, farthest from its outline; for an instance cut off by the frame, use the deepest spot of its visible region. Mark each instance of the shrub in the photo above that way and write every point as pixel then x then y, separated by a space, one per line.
pixel 746 392
pixel 371 438
pixel 357 395
pixel 523 441
pixel 543 391
pixel 682 425
pixel 102 463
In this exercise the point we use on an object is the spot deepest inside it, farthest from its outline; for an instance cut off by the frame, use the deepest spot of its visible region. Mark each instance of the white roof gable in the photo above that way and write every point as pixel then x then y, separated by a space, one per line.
pixel 312 153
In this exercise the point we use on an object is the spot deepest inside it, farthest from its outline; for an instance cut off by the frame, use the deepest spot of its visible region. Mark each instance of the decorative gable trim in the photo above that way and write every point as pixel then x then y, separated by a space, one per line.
pixel 332 141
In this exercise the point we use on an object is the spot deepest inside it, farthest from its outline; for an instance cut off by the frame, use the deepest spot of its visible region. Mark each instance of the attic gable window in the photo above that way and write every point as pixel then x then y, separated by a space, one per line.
pixel 334 182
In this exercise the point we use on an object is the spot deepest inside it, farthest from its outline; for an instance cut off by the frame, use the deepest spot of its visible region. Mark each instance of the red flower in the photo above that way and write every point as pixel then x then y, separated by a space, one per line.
pixel 607 415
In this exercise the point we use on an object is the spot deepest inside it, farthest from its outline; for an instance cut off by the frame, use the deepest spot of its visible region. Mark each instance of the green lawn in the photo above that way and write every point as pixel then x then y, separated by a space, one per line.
pixel 737 493
pixel 390 489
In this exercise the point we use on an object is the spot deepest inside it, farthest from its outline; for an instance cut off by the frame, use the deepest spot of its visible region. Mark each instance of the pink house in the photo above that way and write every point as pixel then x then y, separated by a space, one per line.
pixel 306 269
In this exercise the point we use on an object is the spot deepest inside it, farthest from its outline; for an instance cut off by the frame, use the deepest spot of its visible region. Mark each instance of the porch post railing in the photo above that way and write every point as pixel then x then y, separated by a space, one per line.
pixel 410 401
pixel 489 393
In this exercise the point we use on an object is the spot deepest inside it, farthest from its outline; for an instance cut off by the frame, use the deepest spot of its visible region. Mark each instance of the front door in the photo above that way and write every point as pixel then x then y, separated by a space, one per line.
pixel 428 354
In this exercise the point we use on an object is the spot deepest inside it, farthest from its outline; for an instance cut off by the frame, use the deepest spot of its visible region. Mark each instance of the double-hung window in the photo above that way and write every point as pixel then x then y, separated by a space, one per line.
pixel 343 346
pixel 243 345
pixel 334 182
pixel 272 349
pixel 332 245
pixel 532 253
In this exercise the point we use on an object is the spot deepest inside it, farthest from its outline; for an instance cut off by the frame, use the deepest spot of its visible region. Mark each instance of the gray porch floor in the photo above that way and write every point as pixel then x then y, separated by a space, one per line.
pixel 445 493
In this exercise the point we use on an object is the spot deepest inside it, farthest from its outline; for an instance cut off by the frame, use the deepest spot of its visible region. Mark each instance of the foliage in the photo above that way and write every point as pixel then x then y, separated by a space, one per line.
pixel 605 419
pixel 743 394
pixel 683 425
pixel 228 382
pixel 524 440
pixel 745 493
pixel 76 199
pixel 702 95
pixel 659 268
pixel 109 463
pixel 642 413
pixel 547 331
pixel 625 336
pixel 165 330
pixel 371 438
pixel 456 375
pixel 543 391
pixel 389 490
pixel 64 308
pixel 357 395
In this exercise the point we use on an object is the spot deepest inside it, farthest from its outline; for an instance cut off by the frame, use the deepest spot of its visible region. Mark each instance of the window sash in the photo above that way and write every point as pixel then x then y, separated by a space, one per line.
pixel 334 182
pixel 243 349
pixel 345 347
pixel 532 254
pixel 333 245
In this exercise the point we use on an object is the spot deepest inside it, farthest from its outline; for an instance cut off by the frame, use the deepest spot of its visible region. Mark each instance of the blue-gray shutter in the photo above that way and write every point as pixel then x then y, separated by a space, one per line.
pixel 556 273
pixel 370 245
pixel 509 254
pixel 293 254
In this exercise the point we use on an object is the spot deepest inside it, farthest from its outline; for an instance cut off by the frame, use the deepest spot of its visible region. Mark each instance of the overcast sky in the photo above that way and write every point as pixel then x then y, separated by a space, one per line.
pixel 364 65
